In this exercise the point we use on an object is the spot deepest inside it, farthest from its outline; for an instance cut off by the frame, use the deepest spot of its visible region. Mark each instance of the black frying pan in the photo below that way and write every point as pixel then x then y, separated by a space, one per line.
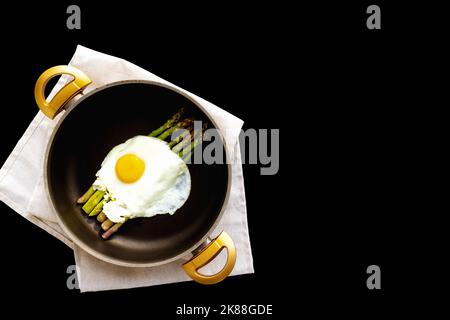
pixel 87 131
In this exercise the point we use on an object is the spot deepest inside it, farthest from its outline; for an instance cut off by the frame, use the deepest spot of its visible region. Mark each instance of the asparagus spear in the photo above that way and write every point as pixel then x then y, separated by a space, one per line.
pixel 189 152
pixel 98 208
pixel 112 230
pixel 93 201
pixel 174 119
pixel 183 144
pixel 85 197
pixel 101 217
pixel 182 124
pixel 107 224
pixel 181 136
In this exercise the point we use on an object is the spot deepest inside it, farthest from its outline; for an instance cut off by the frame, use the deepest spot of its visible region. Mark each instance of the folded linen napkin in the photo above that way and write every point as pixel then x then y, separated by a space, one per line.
pixel 22 187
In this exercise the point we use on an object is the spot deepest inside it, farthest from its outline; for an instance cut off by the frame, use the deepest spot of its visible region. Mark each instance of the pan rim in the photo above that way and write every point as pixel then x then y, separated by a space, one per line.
pixel 72 235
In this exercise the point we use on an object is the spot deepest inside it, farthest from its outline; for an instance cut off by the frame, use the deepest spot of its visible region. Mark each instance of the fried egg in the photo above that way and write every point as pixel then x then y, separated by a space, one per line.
pixel 142 177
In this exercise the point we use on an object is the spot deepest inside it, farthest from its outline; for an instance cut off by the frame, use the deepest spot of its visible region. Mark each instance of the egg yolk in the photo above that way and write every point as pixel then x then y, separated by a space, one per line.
pixel 129 168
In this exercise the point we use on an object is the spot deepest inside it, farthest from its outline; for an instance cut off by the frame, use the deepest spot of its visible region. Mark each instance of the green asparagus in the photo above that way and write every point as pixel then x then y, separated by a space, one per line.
pixel 180 125
pixel 191 149
pixel 98 208
pixel 93 201
pixel 181 136
pixel 186 142
pixel 107 224
pixel 101 217
pixel 175 118
pixel 85 197
pixel 112 230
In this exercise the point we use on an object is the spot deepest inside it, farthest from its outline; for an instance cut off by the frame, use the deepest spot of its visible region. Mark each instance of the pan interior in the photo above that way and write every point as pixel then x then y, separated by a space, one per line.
pixel 97 124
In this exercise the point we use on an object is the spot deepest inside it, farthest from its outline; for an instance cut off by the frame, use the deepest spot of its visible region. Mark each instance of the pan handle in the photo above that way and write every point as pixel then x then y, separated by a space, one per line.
pixel 79 82
pixel 207 255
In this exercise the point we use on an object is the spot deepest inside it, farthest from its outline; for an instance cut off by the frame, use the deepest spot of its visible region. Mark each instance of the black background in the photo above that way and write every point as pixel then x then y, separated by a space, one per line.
pixel 364 147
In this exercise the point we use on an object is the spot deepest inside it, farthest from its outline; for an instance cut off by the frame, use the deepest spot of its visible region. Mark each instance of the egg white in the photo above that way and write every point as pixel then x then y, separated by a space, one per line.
pixel 163 187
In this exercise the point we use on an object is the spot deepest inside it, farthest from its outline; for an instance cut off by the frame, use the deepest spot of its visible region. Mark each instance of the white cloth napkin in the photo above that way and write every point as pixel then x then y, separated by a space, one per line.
pixel 21 185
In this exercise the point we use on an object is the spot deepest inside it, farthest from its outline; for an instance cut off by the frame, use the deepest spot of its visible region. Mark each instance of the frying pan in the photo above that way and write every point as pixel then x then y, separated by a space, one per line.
pixel 92 125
